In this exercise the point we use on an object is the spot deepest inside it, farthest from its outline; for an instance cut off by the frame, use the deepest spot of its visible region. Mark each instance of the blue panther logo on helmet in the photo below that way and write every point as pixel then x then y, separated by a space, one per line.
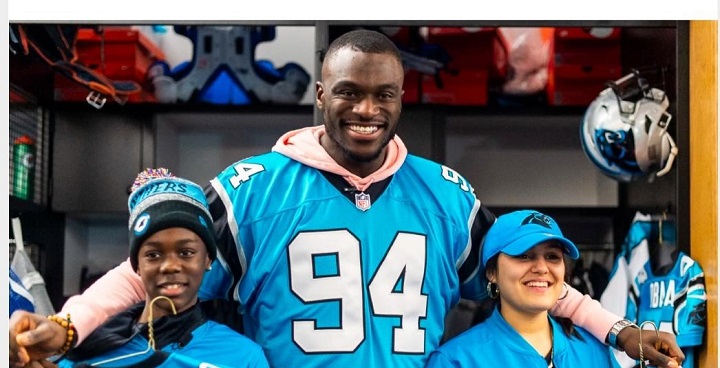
pixel 618 148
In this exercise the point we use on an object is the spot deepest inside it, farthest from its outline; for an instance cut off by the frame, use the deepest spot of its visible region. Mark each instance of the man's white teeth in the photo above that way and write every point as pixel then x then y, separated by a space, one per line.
pixel 363 129
pixel 537 284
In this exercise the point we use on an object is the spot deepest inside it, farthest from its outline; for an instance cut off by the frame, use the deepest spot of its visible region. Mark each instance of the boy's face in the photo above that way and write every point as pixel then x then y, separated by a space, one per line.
pixel 172 263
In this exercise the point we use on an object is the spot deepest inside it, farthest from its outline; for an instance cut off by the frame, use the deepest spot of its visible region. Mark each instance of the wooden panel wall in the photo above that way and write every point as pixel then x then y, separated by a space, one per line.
pixel 703 170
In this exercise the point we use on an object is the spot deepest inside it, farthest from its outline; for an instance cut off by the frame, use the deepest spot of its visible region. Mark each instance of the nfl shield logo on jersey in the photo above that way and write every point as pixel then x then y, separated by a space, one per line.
pixel 362 201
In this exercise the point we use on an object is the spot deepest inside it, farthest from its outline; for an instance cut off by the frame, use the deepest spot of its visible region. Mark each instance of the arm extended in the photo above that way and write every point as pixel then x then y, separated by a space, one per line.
pixel 662 349
pixel 114 292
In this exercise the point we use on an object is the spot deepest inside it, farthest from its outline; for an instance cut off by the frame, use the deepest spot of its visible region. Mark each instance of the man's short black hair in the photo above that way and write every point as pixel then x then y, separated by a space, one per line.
pixel 365 40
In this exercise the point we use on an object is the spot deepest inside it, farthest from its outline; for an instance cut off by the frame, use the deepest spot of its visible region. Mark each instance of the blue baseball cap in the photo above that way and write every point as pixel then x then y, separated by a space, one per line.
pixel 516 232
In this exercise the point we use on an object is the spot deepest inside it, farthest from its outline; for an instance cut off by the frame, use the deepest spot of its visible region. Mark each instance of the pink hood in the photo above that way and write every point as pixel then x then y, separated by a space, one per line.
pixel 303 145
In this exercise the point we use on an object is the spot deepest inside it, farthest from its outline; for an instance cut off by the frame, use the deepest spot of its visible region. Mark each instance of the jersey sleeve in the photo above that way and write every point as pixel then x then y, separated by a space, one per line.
pixel 471 272
pixel 690 306
pixel 228 267
pixel 114 292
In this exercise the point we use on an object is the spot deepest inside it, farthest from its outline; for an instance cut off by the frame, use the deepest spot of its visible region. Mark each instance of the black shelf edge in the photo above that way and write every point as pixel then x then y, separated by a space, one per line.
pixel 18 205
pixel 174 108
pixel 507 23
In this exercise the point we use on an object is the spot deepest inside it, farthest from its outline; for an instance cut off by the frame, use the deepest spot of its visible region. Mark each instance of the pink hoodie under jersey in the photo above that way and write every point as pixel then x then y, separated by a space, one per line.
pixel 121 287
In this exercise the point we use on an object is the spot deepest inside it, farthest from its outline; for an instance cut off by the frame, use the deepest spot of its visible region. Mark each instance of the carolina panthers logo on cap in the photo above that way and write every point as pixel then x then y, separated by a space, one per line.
pixel 141 224
pixel 538 219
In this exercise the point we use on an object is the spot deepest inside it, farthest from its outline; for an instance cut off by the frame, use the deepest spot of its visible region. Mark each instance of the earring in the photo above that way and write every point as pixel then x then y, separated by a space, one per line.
pixel 492 290
pixel 208 268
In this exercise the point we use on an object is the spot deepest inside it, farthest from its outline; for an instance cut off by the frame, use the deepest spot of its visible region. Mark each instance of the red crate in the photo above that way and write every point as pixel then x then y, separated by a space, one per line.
pixel 120 53
pixel 467 87
pixel 574 93
pixel 587 33
pixel 586 53
pixel 596 71
pixel 581 65
pixel 468 48
pixel 411 86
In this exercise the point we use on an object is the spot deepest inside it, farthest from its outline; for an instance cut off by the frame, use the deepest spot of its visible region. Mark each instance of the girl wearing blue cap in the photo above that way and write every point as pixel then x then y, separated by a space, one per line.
pixel 172 246
pixel 523 256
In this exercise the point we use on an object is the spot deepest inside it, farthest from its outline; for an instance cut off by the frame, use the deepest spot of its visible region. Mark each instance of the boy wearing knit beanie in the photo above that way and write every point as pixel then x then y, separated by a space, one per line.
pixel 172 245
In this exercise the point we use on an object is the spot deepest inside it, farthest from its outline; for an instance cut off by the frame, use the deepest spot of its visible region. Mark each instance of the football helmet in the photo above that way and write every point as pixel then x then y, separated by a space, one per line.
pixel 624 130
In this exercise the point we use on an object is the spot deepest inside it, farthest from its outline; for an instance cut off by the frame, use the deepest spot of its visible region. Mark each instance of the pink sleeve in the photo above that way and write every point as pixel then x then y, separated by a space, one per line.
pixel 585 312
pixel 114 292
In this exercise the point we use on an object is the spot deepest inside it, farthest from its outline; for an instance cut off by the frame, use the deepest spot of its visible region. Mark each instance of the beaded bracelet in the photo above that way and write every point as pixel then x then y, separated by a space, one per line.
pixel 69 328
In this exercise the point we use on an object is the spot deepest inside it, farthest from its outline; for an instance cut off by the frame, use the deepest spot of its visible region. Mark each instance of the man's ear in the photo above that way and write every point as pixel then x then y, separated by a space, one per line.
pixel 319 92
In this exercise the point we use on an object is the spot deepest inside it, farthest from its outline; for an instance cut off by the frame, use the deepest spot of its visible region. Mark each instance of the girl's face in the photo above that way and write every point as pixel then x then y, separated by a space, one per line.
pixel 531 282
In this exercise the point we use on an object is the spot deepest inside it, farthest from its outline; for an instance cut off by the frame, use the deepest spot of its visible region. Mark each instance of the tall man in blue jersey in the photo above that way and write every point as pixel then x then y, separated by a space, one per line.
pixel 343 249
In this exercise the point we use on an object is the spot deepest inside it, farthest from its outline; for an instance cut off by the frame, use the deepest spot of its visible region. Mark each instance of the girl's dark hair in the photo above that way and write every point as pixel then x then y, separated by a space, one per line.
pixel 567 324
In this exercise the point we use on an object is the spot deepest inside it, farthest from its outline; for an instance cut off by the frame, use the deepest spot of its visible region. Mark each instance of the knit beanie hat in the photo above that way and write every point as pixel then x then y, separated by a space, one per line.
pixel 159 200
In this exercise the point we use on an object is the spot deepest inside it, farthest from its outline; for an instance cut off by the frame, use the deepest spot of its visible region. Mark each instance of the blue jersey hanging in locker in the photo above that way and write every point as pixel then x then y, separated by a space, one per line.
pixel 670 293
pixel 675 302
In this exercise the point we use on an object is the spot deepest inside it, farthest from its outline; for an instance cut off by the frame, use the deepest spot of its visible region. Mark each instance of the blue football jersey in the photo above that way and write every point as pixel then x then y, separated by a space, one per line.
pixel 213 346
pixel 675 302
pixel 331 278
pixel 495 343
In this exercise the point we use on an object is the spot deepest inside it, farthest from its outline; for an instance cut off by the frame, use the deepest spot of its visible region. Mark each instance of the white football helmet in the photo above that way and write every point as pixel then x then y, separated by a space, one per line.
pixel 624 131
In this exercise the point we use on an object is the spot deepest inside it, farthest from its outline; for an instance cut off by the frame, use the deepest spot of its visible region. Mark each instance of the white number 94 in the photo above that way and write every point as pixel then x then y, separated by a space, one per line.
pixel 404 260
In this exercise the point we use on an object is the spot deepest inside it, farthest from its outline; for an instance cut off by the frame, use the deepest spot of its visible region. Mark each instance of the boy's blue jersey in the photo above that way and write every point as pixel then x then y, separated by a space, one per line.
pixel 494 343
pixel 675 302
pixel 327 281
pixel 212 345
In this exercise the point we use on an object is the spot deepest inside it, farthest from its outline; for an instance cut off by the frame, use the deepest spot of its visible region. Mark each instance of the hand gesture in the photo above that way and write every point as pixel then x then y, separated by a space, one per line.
pixel 660 349
pixel 33 338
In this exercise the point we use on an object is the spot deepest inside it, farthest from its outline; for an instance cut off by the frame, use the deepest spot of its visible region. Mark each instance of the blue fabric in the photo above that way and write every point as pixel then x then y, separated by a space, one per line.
pixel 494 343
pixel 20 298
pixel 325 282
pixel 168 188
pixel 516 232
pixel 212 345
pixel 675 303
